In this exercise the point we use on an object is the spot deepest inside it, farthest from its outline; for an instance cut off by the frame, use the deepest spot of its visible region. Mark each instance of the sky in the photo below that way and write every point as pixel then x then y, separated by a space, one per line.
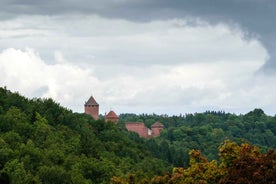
pixel 142 56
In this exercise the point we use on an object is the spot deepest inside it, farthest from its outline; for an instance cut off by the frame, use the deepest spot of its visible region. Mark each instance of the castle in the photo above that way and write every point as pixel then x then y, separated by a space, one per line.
pixel 91 107
pixel 143 131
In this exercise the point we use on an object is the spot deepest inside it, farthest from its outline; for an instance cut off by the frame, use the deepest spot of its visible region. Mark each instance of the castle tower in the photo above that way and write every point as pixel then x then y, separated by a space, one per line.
pixel 92 107
pixel 112 116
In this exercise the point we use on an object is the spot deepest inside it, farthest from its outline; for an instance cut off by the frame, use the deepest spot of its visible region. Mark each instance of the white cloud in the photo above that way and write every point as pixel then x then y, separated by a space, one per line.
pixel 59 58
pixel 26 72
pixel 103 41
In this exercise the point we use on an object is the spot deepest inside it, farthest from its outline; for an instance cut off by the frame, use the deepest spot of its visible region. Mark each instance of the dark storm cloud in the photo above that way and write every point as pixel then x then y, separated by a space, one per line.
pixel 254 16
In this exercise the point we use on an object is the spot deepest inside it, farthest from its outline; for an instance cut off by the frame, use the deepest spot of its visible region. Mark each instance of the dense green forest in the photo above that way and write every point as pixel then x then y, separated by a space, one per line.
pixel 206 132
pixel 43 142
pixel 238 164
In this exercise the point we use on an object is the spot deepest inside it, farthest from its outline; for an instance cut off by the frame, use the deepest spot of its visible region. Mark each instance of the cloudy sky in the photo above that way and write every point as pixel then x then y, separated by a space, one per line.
pixel 142 56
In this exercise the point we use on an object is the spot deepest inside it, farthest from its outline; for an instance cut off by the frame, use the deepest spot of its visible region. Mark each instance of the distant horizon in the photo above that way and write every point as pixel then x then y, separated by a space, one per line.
pixel 102 112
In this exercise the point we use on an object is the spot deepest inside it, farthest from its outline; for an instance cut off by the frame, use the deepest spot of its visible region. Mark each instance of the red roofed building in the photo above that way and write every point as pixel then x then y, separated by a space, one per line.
pixel 156 128
pixel 139 128
pixel 111 116
pixel 143 131
pixel 91 107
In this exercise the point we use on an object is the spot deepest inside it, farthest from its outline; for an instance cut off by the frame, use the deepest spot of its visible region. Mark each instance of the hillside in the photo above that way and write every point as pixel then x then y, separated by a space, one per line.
pixel 206 132
pixel 43 142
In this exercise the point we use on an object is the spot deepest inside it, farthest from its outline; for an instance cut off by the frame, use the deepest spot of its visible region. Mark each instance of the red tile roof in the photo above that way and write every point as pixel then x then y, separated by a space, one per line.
pixel 157 124
pixel 111 114
pixel 139 128
pixel 91 101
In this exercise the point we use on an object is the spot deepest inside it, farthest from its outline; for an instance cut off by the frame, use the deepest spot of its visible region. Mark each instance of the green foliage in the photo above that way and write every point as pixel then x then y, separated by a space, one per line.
pixel 42 142
pixel 205 132
pixel 17 173
pixel 242 164
pixel 53 175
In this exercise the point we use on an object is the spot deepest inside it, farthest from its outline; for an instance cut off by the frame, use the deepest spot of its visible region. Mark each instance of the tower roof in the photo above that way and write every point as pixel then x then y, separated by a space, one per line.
pixel 91 101
pixel 111 114
pixel 157 124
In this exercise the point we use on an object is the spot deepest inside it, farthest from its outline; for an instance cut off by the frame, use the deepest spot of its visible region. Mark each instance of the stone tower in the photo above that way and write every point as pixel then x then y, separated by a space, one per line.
pixel 92 107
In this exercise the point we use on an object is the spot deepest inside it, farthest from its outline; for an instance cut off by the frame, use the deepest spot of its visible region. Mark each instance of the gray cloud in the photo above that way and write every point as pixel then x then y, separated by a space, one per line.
pixel 198 54
pixel 254 16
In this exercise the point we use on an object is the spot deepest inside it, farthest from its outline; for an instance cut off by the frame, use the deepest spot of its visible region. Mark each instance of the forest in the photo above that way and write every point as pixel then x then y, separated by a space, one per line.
pixel 43 142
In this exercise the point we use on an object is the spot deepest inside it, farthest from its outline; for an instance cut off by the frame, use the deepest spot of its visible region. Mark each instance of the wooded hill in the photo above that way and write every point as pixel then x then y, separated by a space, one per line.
pixel 42 142
pixel 206 132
